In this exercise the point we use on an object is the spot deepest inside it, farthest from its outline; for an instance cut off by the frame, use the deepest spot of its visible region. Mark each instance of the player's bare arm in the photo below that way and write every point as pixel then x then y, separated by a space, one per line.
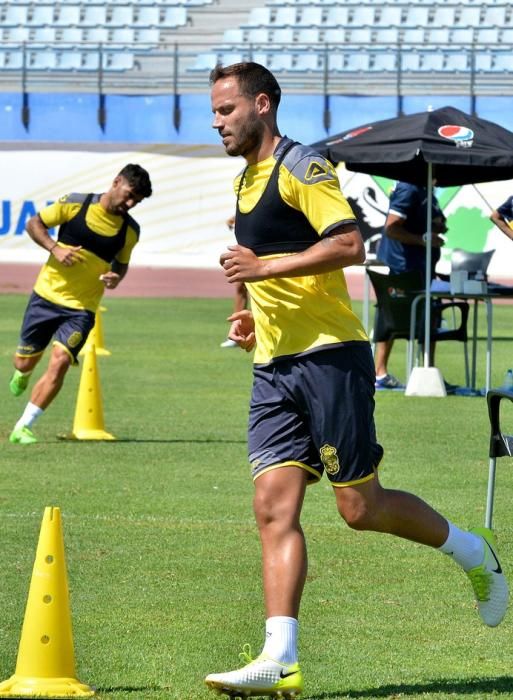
pixel 66 255
pixel 342 248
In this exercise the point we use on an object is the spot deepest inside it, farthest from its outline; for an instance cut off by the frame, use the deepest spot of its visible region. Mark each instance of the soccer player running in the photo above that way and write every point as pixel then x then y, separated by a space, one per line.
pixel 91 253
pixel 312 401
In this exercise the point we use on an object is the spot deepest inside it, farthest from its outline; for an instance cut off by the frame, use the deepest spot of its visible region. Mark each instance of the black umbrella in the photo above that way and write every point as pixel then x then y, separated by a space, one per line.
pixel 447 144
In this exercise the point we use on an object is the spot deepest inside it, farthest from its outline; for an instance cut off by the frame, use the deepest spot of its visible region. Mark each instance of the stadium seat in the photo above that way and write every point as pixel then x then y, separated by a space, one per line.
pixel 444 16
pixel 237 36
pixel 461 35
pixel 122 35
pixel 147 35
pixel 506 36
pixel 469 16
pixel 12 59
pixel 285 17
pixel 336 62
pixel 334 35
pixel 69 60
pixel 410 62
pixel 501 62
pixel 413 36
pixel 363 15
pixel 93 16
pixel 387 35
pixel 285 35
pixel 147 17
pixel 437 35
pixel 384 61
pixel 67 15
pixel 486 35
pixel 173 17
pixel 337 17
pixel 17 34
pixel 15 16
pixel 258 17
pixel 416 16
pixel 308 61
pixel 118 61
pixel 42 35
pixel 41 16
pixel 432 61
pixel 359 35
pixel 390 16
pixel 120 16
pixel 280 61
pixel 41 60
pixel 307 36
pixel 205 62
pixel 483 61
pixel 357 61
pixel 70 36
pixel 311 16
pixel 457 61
pixel 96 35
pixel 494 15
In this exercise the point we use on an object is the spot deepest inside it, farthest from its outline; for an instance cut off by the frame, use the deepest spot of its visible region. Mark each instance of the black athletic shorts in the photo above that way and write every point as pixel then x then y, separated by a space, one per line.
pixel 316 411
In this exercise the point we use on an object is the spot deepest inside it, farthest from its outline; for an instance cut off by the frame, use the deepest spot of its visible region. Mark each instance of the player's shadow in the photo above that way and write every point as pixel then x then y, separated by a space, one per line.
pixel 485 687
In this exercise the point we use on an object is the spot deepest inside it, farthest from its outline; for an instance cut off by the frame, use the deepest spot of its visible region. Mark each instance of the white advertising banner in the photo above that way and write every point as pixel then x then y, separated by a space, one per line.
pixel 183 224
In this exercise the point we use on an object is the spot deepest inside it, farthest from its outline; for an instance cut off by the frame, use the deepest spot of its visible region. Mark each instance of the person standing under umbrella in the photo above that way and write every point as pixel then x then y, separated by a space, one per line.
pixel 403 249
pixel 502 217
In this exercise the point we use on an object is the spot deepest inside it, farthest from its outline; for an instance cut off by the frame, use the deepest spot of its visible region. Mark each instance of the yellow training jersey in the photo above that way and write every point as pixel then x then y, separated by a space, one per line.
pixel 79 286
pixel 285 204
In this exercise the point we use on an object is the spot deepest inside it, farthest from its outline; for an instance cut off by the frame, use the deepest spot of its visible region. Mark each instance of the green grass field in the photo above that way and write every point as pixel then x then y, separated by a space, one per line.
pixel 162 552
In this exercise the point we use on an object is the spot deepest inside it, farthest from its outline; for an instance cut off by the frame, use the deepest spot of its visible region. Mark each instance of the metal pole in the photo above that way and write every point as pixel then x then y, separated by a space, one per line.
pixel 428 241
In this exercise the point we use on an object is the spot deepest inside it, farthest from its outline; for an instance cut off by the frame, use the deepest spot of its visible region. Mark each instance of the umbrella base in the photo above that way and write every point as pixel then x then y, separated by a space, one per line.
pixel 425 381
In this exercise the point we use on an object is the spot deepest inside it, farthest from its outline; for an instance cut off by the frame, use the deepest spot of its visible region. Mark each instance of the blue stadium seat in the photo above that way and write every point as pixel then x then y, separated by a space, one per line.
pixel 41 60
pixel 307 61
pixel 278 62
pixel 205 61
pixel 387 35
pixel 67 15
pixel 432 61
pixel 120 16
pixel 96 35
pixel 42 35
pixel 311 16
pixel 390 16
pixel 413 36
pixel 457 61
pixel 461 35
pixel 337 17
pixel 469 16
pixel 357 62
pixel 494 15
pixel 501 62
pixel 258 17
pixel 363 15
pixel 359 35
pixel 94 16
pixel 416 16
pixel 486 35
pixel 437 35
pixel 69 60
pixel 384 61
pixel 483 61
pixel 41 16
pixel 147 17
pixel 17 34
pixel 444 15
pixel 172 17
pixel 336 62
pixel 15 16
pixel 70 36
pixel 12 59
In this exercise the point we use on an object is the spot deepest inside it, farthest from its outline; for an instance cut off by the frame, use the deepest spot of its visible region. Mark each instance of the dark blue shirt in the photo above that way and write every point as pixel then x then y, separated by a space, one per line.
pixel 506 209
pixel 410 203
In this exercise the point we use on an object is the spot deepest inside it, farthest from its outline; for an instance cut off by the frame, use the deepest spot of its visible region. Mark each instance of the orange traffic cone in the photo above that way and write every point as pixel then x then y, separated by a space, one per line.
pixel 89 423
pixel 46 661
pixel 95 337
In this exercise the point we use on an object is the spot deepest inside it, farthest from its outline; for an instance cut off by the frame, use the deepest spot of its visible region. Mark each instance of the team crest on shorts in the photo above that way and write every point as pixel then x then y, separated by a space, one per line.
pixel 329 458
pixel 74 339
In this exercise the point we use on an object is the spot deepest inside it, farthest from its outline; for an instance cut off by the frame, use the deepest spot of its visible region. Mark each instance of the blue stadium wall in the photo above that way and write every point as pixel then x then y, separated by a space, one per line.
pixel 73 117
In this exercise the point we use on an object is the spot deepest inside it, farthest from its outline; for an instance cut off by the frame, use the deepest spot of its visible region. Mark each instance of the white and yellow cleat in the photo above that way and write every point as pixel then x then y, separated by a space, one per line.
pixel 262 676
pixel 488 581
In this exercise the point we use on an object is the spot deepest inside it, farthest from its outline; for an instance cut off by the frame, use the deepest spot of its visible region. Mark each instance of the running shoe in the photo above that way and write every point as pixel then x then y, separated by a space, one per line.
pixel 19 382
pixel 262 676
pixel 22 436
pixel 389 382
pixel 488 581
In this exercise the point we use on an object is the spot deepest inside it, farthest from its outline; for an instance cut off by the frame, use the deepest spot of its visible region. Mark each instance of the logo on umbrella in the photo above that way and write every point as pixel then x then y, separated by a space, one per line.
pixel 461 135
pixel 356 132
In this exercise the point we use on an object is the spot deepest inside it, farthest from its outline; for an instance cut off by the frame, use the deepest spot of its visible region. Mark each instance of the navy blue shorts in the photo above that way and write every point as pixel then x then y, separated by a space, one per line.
pixel 316 412
pixel 45 320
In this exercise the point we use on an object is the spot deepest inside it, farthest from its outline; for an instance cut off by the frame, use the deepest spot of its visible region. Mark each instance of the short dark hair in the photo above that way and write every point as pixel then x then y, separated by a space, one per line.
pixel 252 78
pixel 138 178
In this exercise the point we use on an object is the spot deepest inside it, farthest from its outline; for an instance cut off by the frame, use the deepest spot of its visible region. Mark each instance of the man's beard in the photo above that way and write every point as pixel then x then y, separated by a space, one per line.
pixel 249 139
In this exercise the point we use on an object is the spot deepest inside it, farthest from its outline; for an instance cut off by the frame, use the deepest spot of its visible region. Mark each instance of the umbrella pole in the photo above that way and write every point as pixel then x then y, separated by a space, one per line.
pixel 428 243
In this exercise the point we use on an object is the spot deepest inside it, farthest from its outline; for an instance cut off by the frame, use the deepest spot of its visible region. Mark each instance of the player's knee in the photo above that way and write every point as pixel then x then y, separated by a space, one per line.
pixel 356 514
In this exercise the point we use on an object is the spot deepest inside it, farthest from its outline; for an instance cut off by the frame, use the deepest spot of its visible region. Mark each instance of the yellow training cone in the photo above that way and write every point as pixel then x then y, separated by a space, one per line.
pixel 46 661
pixel 89 423
pixel 95 337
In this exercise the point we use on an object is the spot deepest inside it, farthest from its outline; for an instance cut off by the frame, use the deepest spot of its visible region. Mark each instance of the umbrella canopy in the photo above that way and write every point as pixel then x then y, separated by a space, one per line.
pixel 461 149
pixel 451 146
